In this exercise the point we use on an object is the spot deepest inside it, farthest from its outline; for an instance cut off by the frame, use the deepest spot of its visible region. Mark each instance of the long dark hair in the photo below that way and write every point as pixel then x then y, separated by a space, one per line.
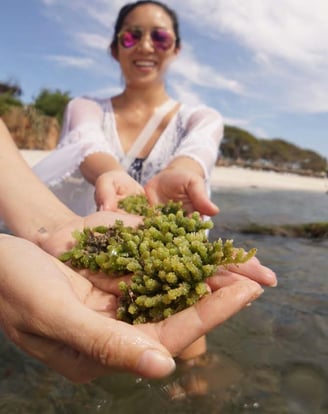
pixel 125 10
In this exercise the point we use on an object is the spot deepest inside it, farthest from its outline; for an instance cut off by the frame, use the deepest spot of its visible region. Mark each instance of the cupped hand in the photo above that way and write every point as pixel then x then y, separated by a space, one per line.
pixel 113 186
pixel 66 322
pixel 252 269
pixel 60 239
pixel 181 185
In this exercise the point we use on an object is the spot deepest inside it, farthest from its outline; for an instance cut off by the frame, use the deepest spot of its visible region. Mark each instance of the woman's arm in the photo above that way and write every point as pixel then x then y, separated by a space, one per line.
pixel 84 123
pixel 199 147
pixel 184 178
pixel 98 165
pixel 28 208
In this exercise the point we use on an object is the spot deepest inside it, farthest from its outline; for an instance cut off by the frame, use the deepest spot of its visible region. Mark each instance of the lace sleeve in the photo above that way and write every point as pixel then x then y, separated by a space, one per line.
pixel 82 134
pixel 202 138
pixel 83 122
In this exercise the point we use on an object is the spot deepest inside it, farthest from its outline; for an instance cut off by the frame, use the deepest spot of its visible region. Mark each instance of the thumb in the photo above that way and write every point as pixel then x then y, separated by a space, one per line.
pixel 200 200
pixel 106 199
pixel 115 344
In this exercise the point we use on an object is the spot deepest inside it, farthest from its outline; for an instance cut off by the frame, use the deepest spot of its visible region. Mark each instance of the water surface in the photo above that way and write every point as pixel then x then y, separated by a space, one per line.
pixel 271 358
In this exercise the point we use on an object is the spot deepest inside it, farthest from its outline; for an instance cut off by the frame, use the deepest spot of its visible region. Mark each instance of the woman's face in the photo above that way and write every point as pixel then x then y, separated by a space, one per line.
pixel 146 62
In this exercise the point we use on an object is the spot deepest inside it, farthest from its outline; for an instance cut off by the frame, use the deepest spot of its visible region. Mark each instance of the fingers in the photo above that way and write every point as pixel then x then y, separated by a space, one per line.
pixel 105 282
pixel 207 314
pixel 254 270
pixel 113 186
pixel 109 343
pixel 151 193
pixel 106 198
pixel 42 299
pixel 81 368
pixel 199 198
pixel 108 218
pixel 73 365
pixel 112 344
pixel 62 239
pixel 226 302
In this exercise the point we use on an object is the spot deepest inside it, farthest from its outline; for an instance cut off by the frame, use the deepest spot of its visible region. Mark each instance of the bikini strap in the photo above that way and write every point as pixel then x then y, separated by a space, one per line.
pixel 147 132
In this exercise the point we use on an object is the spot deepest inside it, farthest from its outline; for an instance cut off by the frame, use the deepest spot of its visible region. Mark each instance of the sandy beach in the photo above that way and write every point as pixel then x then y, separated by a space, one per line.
pixel 235 177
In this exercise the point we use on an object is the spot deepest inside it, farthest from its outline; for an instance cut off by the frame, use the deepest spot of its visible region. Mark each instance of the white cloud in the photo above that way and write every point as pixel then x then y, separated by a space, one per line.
pixel 184 93
pixel 105 92
pixel 286 41
pixel 291 29
pixel 80 62
pixel 287 45
pixel 93 40
pixel 240 122
pixel 201 74
pixel 104 11
pixel 48 2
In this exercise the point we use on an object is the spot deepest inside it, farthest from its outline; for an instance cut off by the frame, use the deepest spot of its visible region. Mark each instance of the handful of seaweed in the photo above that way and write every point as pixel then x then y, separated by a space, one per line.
pixel 168 255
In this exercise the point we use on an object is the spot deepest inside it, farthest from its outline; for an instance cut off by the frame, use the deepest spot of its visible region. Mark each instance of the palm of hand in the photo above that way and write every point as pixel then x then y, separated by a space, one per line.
pixel 170 185
pixel 182 186
pixel 113 186
pixel 60 239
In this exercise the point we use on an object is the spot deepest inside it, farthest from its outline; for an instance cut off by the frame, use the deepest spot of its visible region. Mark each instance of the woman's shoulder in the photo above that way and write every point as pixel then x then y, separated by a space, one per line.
pixel 87 105
pixel 200 110
pixel 88 101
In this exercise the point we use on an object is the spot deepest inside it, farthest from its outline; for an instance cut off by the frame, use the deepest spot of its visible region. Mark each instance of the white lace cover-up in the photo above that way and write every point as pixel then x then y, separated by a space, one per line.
pixel 194 131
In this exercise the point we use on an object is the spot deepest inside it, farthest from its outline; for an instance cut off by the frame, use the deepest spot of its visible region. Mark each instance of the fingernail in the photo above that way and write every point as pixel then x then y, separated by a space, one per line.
pixel 257 294
pixel 273 278
pixel 155 364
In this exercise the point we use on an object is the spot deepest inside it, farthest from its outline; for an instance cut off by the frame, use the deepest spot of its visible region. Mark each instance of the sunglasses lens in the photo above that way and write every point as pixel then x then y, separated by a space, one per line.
pixel 162 39
pixel 130 38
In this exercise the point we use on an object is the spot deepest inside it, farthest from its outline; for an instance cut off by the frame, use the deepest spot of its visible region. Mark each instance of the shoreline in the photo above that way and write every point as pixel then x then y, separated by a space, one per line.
pixel 235 177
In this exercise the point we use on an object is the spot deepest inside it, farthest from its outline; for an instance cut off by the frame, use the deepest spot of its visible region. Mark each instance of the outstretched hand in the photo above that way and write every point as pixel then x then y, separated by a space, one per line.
pixel 65 321
pixel 113 186
pixel 182 185
pixel 60 239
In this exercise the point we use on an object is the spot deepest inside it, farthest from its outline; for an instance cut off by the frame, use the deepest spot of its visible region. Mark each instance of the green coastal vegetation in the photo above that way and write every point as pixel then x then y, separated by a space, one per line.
pixel 239 147
pixel 242 148
pixel 47 102
pixel 37 126
pixel 169 256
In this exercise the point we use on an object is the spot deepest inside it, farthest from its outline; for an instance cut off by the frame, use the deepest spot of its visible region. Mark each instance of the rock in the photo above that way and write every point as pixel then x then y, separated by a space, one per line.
pixel 31 129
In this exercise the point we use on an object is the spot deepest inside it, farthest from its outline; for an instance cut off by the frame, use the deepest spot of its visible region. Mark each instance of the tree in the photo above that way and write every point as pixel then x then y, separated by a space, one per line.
pixel 9 96
pixel 52 103
pixel 11 89
pixel 239 144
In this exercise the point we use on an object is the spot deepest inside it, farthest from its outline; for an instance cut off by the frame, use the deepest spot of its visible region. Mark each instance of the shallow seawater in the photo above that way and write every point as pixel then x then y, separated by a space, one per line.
pixel 271 358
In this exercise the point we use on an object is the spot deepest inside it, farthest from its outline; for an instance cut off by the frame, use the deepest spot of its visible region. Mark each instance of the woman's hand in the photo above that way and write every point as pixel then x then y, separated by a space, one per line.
pixel 183 185
pixel 112 186
pixel 66 322
pixel 60 238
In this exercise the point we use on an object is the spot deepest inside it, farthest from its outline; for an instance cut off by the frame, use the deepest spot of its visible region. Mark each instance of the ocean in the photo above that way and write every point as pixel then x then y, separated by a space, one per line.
pixel 271 358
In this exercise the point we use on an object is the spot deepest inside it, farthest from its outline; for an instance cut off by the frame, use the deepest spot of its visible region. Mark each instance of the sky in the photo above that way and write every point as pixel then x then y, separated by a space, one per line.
pixel 263 64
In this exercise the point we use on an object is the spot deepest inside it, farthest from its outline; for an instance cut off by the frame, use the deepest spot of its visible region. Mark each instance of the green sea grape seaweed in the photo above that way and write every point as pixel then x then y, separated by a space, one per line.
pixel 169 257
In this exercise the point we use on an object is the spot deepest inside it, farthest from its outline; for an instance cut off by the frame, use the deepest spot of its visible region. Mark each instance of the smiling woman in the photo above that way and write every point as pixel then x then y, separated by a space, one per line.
pixel 141 141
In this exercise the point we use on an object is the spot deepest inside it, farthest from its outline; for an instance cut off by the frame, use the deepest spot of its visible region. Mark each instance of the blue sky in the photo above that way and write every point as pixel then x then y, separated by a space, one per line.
pixel 262 63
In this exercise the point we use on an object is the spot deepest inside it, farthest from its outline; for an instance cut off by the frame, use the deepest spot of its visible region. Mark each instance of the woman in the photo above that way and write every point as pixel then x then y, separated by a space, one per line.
pixel 140 140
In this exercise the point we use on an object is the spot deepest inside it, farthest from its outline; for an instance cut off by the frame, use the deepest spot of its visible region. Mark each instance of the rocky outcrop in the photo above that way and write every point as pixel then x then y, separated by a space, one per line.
pixel 30 129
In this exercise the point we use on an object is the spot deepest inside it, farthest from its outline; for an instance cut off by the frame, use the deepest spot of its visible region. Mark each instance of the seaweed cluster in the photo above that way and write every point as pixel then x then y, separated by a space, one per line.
pixel 168 255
